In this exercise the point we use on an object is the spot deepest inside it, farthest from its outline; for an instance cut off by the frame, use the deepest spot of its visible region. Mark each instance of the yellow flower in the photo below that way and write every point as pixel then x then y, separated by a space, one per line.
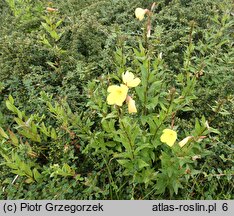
pixel 129 80
pixel 169 137
pixel 117 94
pixel 184 141
pixel 131 105
pixel 140 13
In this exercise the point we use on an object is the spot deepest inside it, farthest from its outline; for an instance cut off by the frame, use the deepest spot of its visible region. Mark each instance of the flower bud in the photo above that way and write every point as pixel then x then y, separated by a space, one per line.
pixel 185 141
pixel 50 9
pixel 131 105
pixel 140 13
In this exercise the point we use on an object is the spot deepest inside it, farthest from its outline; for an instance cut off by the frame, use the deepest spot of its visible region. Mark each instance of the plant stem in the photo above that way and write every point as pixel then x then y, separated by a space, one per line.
pixel 146 89
pixel 133 186
pixel 213 117
pixel 189 48
pixel 166 115
pixel 125 131
pixel 110 177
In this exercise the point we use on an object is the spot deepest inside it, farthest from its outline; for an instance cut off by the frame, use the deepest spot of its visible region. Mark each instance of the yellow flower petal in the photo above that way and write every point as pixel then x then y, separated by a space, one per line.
pixel 140 13
pixel 112 88
pixel 134 82
pixel 131 105
pixel 117 94
pixel 110 99
pixel 127 76
pixel 169 137
pixel 129 80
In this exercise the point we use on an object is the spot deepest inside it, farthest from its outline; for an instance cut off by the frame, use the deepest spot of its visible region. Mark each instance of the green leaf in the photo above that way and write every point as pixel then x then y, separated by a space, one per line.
pixel 27 169
pixel 37 176
pixel 44 130
pixel 29 180
pixel 152 103
pixel 125 142
pixel 13 138
pixel 53 134
pixel 163 106
pixel 3 134
pixel 11 107
pixel 186 109
pixel 140 92
pixel 19 113
pixel 58 23
pixel 68 170
pixel 143 146
pixel 18 172
pixel 141 164
pixel 110 144
pixel 213 130
pixel 54 35
pixel 176 185
pixel 197 125
pixel 154 87
pixel 47 19
pixel 124 163
pixel 19 122
pixel 45 41
pixel 11 99
pixel 12 165
pixel 46 27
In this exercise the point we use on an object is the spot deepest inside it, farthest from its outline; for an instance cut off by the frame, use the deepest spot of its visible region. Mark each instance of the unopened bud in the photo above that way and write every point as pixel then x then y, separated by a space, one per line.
pixel 50 9
pixel 131 105
pixel 185 141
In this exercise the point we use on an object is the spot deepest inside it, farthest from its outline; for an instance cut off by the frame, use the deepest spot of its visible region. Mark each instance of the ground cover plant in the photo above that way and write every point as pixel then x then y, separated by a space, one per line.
pixel 116 99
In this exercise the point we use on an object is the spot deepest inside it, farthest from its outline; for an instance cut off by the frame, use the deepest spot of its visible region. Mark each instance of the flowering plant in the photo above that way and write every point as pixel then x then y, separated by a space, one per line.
pixel 119 94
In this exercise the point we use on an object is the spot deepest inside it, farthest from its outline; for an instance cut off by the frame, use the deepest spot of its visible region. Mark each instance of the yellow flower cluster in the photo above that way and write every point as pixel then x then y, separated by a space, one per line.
pixel 119 94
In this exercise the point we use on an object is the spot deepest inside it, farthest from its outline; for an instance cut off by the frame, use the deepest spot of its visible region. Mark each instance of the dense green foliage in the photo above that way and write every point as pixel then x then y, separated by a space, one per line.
pixel 59 139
